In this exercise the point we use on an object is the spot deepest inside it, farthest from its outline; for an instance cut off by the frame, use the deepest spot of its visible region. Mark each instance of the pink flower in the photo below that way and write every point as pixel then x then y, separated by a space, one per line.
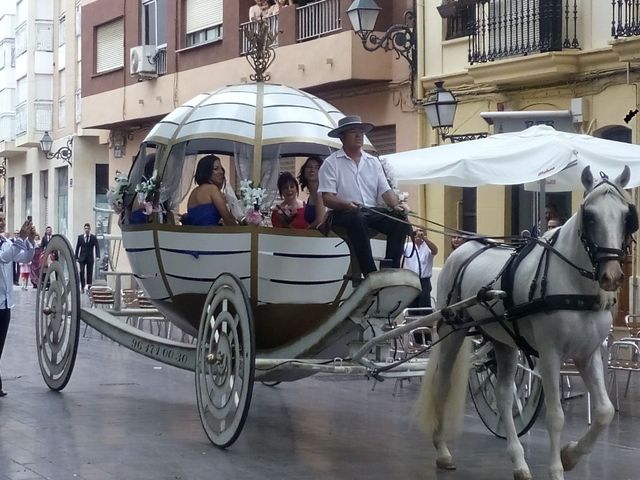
pixel 253 217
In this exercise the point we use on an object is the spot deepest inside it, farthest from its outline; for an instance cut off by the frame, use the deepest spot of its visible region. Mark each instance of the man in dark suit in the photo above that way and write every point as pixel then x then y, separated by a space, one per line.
pixel 84 255
pixel 46 238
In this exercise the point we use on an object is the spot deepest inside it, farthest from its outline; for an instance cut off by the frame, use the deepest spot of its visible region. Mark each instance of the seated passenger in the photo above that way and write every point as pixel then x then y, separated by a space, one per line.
pixel 206 204
pixel 138 215
pixel 289 213
pixel 220 181
pixel 314 210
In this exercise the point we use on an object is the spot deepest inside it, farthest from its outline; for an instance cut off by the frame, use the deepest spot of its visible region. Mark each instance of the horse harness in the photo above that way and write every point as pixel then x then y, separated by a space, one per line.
pixel 543 303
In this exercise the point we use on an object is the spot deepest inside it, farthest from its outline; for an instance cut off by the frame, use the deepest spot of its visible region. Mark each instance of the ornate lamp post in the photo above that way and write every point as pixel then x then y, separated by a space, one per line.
pixel 399 38
pixel 440 108
pixel 63 153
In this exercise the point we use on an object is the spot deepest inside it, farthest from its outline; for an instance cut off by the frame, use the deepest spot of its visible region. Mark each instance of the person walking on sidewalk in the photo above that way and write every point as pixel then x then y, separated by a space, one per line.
pixel 18 251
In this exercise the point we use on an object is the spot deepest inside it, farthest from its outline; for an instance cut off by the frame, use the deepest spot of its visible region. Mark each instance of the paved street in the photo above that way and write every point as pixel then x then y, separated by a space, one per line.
pixel 125 417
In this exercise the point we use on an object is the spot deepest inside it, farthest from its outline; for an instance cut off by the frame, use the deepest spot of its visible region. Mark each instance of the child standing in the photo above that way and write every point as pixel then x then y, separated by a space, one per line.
pixel 25 271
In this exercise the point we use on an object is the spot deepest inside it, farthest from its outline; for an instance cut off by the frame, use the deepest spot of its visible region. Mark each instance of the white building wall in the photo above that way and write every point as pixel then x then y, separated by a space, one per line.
pixel 51 80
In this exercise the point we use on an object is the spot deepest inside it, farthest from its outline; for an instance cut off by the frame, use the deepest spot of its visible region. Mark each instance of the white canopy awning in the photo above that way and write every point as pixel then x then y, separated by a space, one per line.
pixel 534 154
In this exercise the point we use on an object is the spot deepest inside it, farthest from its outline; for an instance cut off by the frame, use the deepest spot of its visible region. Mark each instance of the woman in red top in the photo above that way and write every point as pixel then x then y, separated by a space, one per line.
pixel 289 213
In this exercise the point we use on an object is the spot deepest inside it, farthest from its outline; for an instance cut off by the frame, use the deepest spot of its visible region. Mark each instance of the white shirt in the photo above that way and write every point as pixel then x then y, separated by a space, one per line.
pixel 361 183
pixel 419 260
pixel 19 251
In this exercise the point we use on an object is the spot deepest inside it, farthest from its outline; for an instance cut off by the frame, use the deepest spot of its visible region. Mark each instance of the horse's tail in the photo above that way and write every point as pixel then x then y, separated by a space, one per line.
pixel 440 407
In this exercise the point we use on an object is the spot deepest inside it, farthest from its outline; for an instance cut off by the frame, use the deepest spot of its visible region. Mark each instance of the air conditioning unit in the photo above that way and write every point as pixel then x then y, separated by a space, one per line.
pixel 142 61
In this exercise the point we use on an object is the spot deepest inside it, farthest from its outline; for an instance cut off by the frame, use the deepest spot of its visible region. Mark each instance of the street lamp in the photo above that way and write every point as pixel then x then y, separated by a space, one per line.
pixel 63 153
pixel 440 108
pixel 401 39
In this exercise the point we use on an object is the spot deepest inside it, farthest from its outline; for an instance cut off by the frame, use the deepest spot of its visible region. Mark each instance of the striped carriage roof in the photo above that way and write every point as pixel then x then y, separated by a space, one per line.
pixel 256 114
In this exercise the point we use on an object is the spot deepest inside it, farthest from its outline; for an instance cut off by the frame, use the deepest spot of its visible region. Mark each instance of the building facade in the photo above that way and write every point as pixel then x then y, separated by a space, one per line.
pixel 553 61
pixel 576 60
pixel 40 87
pixel 142 59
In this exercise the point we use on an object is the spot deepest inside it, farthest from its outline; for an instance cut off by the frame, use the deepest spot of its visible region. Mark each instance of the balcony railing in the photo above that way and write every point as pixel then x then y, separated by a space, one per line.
pixel 272 23
pixel 509 28
pixel 318 19
pixel 626 18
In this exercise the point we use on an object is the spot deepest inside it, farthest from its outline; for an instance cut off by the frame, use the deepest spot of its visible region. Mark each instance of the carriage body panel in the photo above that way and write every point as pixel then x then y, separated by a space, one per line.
pixel 295 279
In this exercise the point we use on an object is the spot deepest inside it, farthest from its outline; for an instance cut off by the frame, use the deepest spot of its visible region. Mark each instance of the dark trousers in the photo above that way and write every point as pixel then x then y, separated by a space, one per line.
pixel 424 299
pixel 16 273
pixel 5 318
pixel 88 267
pixel 357 225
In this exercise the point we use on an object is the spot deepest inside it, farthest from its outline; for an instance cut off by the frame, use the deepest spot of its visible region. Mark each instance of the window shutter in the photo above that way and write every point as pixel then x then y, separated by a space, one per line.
pixel 110 46
pixel 202 14
pixel 383 139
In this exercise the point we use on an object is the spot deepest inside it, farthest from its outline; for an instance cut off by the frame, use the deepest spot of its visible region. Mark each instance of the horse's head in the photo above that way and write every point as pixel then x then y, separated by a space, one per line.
pixel 608 218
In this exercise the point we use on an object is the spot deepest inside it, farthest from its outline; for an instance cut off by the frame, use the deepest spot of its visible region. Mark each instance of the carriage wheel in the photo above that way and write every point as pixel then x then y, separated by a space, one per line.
pixel 225 363
pixel 528 394
pixel 57 313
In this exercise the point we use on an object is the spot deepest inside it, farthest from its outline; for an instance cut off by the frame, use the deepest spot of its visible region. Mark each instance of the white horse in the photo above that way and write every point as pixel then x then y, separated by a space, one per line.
pixel 581 271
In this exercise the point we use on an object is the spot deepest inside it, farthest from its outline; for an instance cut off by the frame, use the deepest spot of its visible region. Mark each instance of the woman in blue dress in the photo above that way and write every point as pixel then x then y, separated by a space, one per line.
pixel 206 205
pixel 314 209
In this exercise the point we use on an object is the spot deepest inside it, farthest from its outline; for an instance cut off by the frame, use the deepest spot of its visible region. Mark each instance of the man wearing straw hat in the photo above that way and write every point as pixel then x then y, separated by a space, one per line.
pixel 351 182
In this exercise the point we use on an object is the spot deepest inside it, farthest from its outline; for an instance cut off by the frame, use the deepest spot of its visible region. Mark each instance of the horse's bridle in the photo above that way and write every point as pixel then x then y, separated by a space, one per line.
pixel 597 254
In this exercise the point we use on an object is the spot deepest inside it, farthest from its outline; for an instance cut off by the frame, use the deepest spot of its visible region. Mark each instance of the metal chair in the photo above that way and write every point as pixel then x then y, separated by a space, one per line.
pixel 624 356
pixel 100 296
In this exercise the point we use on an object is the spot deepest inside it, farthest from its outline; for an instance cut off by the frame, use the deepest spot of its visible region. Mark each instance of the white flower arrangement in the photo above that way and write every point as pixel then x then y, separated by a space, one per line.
pixel 252 198
pixel 115 194
pixel 146 191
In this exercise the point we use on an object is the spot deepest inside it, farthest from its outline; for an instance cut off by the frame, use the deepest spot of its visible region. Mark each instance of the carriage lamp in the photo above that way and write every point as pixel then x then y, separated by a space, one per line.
pixel 64 153
pixel 440 108
pixel 401 38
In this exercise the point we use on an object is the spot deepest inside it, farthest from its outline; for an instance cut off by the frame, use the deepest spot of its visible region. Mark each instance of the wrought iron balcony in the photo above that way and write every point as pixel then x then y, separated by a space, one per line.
pixel 625 21
pixel 507 28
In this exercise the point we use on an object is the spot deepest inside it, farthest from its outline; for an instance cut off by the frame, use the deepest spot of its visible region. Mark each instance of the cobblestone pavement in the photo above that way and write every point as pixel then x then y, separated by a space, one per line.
pixel 123 416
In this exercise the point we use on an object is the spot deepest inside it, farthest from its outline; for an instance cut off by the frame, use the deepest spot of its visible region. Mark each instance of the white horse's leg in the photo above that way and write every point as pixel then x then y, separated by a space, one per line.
pixel 550 372
pixel 507 360
pixel 443 392
pixel 593 375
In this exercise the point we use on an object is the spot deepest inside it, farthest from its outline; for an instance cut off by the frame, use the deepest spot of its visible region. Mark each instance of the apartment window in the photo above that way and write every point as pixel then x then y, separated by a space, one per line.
pixel 44 87
pixel 27 192
pixel 21 9
pixel 62 196
pixel 21 119
pixel 154 22
pixel 44 37
pixel 62 22
pixel 460 23
pixel 204 21
pixel 110 46
pixel 62 83
pixel 21 85
pixel 21 39
pixel 44 115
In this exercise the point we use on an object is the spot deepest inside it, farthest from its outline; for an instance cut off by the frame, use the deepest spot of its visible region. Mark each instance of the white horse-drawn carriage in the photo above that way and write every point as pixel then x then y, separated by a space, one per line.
pixel 265 303
pixel 273 305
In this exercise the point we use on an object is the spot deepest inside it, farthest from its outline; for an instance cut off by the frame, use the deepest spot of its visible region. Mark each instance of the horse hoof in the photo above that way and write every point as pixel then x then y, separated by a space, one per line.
pixel 445 463
pixel 568 457
pixel 524 474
